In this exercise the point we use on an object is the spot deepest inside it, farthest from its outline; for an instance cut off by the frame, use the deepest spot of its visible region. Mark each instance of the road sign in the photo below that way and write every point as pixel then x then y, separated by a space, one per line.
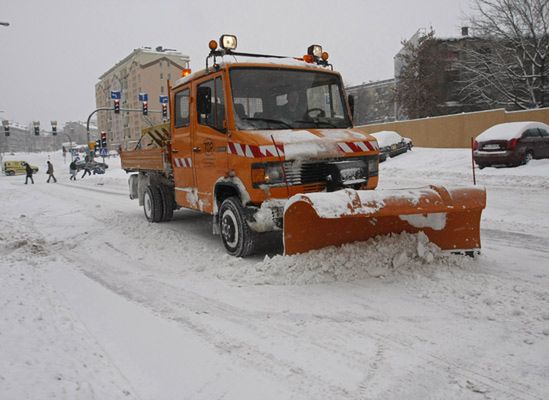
pixel 115 94
pixel 163 99
pixel 103 152
pixel 143 96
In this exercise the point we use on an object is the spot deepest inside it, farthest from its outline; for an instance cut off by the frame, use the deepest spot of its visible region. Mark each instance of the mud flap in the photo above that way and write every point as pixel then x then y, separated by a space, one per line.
pixel 449 217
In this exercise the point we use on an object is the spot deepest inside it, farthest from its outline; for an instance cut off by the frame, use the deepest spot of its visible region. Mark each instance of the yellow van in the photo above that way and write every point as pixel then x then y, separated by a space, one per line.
pixel 16 168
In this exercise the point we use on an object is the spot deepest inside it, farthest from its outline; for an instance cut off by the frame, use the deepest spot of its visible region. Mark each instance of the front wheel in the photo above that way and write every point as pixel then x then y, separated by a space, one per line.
pixel 238 238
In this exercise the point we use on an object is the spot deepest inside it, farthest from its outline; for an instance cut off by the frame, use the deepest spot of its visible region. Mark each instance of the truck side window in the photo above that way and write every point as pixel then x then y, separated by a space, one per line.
pixel 182 109
pixel 214 115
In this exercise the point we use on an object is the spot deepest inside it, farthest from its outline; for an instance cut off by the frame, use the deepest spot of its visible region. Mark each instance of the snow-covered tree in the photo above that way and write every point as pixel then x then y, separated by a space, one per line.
pixel 509 64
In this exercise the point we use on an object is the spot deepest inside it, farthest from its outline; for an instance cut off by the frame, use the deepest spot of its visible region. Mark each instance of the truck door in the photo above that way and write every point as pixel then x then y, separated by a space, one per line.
pixel 210 139
pixel 181 149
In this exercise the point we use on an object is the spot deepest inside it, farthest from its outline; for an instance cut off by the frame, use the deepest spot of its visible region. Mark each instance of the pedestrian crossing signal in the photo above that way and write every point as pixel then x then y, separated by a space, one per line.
pixel 116 106
pixel 164 111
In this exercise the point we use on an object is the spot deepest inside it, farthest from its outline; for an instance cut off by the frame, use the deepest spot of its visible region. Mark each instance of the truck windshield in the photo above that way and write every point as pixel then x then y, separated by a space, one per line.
pixel 266 98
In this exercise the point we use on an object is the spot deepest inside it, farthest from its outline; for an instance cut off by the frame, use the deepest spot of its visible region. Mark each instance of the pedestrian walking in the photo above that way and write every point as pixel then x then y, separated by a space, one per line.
pixel 50 173
pixel 72 168
pixel 86 167
pixel 29 171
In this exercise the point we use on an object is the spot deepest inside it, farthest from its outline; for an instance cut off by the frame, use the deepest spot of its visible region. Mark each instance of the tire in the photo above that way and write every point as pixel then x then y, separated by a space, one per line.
pixel 152 204
pixel 10 173
pixel 481 166
pixel 527 157
pixel 239 240
pixel 168 202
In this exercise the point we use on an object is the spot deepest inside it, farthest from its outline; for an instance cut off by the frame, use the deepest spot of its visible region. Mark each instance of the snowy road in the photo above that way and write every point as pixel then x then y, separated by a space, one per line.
pixel 97 303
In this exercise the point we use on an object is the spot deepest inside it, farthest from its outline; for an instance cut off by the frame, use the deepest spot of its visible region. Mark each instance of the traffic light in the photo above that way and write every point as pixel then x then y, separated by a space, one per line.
pixel 104 139
pixel 6 125
pixel 164 111
pixel 54 128
pixel 116 106
pixel 145 108
pixel 97 144
pixel 36 125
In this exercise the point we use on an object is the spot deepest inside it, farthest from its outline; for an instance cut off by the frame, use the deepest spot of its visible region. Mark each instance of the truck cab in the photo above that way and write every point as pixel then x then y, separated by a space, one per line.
pixel 246 134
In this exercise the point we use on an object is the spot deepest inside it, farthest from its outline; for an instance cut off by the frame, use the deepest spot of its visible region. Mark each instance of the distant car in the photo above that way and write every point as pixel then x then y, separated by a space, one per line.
pixel 511 144
pixel 391 144
pixel 94 166
pixel 16 168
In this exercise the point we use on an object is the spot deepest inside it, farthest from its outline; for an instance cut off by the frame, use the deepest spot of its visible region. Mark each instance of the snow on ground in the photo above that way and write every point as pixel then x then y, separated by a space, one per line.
pixel 95 302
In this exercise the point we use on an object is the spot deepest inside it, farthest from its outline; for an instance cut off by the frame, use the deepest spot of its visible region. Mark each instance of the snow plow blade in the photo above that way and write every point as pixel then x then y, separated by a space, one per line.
pixel 449 217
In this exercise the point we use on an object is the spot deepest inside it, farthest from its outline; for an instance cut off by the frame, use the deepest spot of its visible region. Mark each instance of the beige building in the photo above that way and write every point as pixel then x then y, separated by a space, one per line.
pixel 144 70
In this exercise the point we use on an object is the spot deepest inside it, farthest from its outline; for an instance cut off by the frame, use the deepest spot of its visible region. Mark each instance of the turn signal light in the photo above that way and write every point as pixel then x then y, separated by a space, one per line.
pixel 186 72
pixel 212 45
pixel 258 175
pixel 325 56
pixel 309 58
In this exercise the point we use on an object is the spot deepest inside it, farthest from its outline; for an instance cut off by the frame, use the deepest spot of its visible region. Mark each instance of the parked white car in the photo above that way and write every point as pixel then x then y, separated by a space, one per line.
pixel 391 144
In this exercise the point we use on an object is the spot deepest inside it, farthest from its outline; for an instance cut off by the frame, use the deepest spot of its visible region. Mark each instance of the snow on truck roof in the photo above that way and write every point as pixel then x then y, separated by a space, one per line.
pixel 509 130
pixel 245 61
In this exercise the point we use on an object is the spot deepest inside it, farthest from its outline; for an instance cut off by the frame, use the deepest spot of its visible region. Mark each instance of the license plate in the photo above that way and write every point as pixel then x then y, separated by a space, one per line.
pixel 491 147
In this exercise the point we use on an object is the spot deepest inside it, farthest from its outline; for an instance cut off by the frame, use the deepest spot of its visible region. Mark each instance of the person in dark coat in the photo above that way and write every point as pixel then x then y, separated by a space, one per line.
pixel 29 171
pixel 86 167
pixel 50 173
pixel 72 168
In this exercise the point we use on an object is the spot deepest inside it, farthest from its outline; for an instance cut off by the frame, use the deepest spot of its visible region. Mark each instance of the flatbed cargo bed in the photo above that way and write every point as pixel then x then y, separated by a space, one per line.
pixel 143 160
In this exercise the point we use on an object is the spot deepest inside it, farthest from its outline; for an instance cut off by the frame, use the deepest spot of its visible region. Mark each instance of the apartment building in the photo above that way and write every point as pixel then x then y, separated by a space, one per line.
pixel 144 70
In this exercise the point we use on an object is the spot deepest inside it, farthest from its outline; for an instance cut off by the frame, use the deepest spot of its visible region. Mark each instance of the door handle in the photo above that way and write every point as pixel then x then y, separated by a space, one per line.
pixel 196 149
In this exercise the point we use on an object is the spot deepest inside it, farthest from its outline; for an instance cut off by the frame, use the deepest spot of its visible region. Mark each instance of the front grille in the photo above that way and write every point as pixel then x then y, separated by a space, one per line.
pixel 301 173
pixel 312 172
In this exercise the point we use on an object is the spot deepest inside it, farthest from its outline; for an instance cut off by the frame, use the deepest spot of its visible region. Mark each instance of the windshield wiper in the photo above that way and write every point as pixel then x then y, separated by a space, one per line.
pixel 319 122
pixel 276 121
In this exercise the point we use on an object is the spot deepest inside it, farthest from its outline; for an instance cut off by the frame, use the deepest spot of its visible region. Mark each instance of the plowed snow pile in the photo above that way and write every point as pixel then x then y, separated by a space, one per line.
pixel 378 257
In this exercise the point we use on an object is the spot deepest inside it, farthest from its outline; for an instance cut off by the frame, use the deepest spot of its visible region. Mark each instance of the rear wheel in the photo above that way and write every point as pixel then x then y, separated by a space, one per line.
pixel 527 157
pixel 167 202
pixel 238 238
pixel 152 204
pixel 10 173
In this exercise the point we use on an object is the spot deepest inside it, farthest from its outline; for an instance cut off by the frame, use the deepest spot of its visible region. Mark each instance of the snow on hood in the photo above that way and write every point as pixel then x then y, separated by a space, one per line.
pixel 387 138
pixel 509 130
pixel 314 143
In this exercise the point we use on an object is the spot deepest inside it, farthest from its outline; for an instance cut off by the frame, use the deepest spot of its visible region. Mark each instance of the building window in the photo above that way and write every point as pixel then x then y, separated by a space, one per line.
pixel 161 75
pixel 161 89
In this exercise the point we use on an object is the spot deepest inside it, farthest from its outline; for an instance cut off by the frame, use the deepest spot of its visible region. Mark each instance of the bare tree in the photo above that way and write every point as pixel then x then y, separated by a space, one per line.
pixel 508 65
pixel 419 90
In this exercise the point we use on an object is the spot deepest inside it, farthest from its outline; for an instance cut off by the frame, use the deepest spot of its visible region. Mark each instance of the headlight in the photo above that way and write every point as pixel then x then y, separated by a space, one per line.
pixel 274 174
pixel 269 174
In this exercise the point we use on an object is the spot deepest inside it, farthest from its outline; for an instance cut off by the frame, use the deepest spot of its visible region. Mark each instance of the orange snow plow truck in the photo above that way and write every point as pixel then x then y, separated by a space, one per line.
pixel 266 143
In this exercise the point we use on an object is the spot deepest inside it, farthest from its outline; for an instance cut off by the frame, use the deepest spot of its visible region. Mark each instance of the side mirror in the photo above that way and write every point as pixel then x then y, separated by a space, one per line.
pixel 204 100
pixel 351 100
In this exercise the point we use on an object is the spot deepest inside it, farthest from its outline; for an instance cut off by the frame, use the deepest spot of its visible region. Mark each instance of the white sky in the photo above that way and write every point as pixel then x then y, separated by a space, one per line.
pixel 54 51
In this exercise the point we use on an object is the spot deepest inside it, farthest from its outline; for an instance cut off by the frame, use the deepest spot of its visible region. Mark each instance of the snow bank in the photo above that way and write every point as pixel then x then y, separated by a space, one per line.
pixel 399 254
